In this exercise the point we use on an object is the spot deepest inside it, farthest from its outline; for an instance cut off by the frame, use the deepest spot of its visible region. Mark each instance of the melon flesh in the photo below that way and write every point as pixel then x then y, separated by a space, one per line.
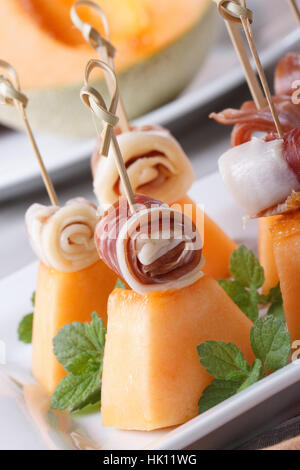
pixel 266 253
pixel 157 43
pixel 63 298
pixel 286 244
pixel 152 376
pixel 218 246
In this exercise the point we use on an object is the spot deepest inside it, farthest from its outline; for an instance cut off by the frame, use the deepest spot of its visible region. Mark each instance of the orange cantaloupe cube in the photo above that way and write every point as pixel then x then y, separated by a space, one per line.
pixel 152 376
pixel 286 244
pixel 63 298
pixel 266 253
pixel 218 246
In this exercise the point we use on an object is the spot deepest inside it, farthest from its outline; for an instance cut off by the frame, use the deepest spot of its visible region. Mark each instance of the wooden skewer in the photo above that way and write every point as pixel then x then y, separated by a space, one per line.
pixel 235 12
pixel 261 73
pixel 105 50
pixel 94 100
pixel 252 80
pixel 295 9
pixel 11 95
pixel 232 26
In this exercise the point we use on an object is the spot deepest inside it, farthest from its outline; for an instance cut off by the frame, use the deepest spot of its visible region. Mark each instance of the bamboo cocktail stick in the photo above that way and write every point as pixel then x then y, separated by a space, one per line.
pixel 11 95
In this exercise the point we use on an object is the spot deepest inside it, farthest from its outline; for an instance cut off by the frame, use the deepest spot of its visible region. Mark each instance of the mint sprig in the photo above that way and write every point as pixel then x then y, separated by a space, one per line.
pixel 79 347
pixel 223 361
pixel 244 289
pixel 26 324
pixel 270 342
pixel 275 299
pixel 216 392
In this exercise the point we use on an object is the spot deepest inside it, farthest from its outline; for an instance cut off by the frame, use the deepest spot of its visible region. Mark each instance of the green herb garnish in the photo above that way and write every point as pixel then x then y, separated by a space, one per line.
pixel 79 347
pixel 25 325
pixel 270 342
pixel 244 289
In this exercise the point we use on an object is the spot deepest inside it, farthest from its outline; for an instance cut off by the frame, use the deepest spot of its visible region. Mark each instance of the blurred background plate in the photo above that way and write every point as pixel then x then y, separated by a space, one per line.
pixel 217 79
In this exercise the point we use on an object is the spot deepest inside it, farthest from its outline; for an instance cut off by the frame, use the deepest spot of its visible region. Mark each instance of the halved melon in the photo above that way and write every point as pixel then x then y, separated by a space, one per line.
pixel 218 247
pixel 286 244
pixel 152 376
pixel 63 298
pixel 266 253
pixel 160 44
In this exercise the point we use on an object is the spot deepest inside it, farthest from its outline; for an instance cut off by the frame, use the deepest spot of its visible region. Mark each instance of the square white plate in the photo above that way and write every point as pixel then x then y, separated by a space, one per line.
pixel 25 427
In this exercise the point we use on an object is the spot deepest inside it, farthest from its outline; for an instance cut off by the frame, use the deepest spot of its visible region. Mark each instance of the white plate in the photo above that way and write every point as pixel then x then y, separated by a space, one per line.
pixel 235 419
pixel 220 74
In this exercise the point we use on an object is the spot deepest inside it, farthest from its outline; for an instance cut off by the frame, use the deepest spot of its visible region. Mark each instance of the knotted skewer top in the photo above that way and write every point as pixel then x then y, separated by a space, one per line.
pixel 104 48
pixel 93 99
pixel 235 12
pixel 90 34
pixel 11 95
pixel 232 11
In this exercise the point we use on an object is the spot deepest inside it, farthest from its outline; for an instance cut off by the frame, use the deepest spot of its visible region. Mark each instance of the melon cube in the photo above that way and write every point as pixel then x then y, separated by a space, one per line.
pixel 266 253
pixel 286 245
pixel 152 376
pixel 63 298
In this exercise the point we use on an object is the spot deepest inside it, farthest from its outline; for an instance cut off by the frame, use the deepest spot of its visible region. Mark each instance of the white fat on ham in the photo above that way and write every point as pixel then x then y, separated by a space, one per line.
pixel 257 175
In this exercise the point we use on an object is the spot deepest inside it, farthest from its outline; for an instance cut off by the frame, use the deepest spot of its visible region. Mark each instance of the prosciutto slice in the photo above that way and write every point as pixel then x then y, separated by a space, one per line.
pixel 63 237
pixel 249 120
pixel 264 177
pixel 287 72
pixel 156 248
pixel 156 164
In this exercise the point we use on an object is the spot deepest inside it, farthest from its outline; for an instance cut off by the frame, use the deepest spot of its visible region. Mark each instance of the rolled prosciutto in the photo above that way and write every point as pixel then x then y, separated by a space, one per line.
pixel 155 162
pixel 63 237
pixel 264 177
pixel 156 248
pixel 248 120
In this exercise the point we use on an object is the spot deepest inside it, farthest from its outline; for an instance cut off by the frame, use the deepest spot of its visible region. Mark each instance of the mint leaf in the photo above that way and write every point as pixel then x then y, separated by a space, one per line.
pixel 120 284
pixel 277 311
pixel 246 300
pixel 236 292
pixel 25 329
pixel 253 376
pixel 95 331
pixel 275 296
pixel 223 360
pixel 270 341
pixel 26 324
pixel 245 268
pixel 91 404
pixel 216 392
pixel 275 299
pixel 77 347
pixel 244 289
pixel 74 389
pixel 219 390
